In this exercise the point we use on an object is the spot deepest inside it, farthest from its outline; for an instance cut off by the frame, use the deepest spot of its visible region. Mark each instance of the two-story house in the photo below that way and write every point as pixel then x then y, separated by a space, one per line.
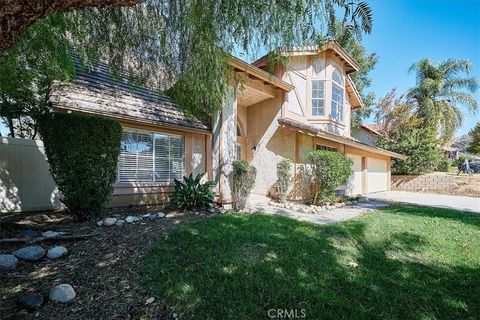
pixel 267 116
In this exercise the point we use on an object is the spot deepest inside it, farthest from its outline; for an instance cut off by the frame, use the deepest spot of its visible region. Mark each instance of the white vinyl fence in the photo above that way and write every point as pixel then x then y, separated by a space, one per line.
pixel 25 182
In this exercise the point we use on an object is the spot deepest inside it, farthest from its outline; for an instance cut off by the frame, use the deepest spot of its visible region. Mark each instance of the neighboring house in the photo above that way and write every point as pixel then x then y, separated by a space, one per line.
pixel 451 152
pixel 366 133
pixel 266 117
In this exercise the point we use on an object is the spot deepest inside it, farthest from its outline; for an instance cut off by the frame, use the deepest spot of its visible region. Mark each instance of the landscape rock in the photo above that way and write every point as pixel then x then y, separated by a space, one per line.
pixel 8 261
pixel 100 223
pixel 131 219
pixel 32 301
pixel 161 215
pixel 56 252
pixel 152 217
pixel 30 253
pixel 150 300
pixel 62 293
pixel 211 210
pixel 120 222
pixel 52 234
pixel 109 221
pixel 28 234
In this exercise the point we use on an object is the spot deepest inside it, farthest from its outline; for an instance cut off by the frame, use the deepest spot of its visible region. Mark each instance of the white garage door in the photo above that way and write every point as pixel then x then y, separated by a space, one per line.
pixel 354 184
pixel 377 175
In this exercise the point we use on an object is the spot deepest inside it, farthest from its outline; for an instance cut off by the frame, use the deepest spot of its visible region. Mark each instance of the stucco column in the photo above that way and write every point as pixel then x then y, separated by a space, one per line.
pixel 223 147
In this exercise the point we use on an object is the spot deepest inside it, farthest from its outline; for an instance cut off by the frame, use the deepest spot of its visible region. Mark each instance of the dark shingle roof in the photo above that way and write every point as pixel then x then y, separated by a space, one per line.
pixel 98 91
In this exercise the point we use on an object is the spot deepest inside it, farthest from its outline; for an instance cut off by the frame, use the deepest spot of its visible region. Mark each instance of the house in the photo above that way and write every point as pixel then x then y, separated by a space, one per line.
pixel 367 133
pixel 268 115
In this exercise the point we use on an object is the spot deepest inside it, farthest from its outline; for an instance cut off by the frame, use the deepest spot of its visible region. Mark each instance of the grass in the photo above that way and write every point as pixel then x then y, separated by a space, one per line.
pixel 401 262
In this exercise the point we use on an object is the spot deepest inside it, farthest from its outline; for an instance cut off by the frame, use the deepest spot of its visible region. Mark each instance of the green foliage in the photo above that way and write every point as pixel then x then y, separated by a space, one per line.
pixel 330 170
pixel 284 178
pixel 187 39
pixel 243 181
pixel 192 194
pixel 419 145
pixel 474 145
pixel 444 164
pixel 26 72
pixel 440 92
pixel 82 152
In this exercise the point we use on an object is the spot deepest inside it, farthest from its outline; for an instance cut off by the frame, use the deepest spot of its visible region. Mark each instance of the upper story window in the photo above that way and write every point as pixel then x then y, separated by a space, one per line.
pixel 337 96
pixel 318 97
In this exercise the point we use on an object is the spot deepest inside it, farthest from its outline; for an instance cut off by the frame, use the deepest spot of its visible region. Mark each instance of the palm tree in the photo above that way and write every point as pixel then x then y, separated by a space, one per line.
pixel 442 88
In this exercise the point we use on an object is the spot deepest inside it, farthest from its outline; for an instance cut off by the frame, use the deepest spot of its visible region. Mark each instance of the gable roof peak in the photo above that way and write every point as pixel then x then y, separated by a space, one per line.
pixel 332 46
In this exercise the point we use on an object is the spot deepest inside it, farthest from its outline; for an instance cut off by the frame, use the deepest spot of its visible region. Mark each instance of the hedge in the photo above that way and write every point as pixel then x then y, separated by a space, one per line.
pixel 82 151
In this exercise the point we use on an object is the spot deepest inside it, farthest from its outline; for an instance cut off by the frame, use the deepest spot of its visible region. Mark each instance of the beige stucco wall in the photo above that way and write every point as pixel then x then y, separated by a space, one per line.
pixel 300 72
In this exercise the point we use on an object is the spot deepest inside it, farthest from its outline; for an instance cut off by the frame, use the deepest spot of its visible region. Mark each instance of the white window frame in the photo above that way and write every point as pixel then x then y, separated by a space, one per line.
pixel 339 107
pixel 169 160
pixel 318 99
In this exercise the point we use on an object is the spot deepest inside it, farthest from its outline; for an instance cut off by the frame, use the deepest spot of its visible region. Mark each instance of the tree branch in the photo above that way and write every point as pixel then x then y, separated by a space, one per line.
pixel 17 15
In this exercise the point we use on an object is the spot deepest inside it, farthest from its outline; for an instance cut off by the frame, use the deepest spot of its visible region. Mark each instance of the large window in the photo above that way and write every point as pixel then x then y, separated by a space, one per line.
pixel 150 157
pixel 318 97
pixel 337 96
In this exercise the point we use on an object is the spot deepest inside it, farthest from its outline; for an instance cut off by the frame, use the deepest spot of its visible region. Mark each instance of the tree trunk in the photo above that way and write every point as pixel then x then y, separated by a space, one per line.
pixel 10 126
pixel 16 16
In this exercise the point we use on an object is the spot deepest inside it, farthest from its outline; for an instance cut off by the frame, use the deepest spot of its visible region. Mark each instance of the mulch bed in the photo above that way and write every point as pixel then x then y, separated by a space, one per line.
pixel 103 269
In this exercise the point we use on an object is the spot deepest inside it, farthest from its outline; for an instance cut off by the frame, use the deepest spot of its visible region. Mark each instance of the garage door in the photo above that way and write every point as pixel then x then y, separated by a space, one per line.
pixel 354 184
pixel 377 175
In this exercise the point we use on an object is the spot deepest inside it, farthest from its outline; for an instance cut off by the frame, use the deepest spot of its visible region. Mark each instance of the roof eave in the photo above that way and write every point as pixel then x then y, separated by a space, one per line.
pixel 339 139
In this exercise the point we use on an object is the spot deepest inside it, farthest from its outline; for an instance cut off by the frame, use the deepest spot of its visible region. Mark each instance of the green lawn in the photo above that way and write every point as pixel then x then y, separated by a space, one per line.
pixel 401 262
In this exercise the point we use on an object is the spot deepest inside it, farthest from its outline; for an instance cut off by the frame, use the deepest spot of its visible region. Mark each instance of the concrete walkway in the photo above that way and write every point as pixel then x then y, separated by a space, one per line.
pixel 260 203
pixel 471 204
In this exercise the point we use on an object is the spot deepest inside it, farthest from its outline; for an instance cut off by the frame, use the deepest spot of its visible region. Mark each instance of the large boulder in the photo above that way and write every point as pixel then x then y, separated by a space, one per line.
pixel 31 300
pixel 62 293
pixel 30 253
pixel 56 252
pixel 8 261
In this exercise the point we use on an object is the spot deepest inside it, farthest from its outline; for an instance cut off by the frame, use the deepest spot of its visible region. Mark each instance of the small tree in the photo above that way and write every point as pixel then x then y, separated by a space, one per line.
pixel 420 147
pixel 284 177
pixel 474 145
pixel 330 170
pixel 243 182
pixel 82 152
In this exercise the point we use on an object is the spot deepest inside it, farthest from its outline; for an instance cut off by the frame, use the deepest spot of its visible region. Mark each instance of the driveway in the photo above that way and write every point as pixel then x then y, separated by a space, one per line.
pixel 429 199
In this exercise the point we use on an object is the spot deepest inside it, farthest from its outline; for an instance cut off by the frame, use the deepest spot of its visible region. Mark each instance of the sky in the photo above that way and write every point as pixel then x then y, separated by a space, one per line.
pixel 405 31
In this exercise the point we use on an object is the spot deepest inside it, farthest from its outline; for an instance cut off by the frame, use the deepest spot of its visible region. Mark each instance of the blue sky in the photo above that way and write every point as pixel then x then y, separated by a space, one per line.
pixel 405 31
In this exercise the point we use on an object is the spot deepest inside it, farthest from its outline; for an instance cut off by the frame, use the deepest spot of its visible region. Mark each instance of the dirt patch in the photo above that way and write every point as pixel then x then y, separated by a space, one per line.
pixel 103 269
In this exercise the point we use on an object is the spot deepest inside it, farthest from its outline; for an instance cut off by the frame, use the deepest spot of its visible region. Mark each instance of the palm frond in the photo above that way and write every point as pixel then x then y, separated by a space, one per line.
pixel 471 84
pixel 461 98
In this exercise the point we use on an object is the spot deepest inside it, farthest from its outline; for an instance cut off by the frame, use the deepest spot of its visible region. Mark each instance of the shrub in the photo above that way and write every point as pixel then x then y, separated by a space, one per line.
pixel 444 164
pixel 82 152
pixel 192 194
pixel 330 169
pixel 284 176
pixel 243 182
pixel 419 145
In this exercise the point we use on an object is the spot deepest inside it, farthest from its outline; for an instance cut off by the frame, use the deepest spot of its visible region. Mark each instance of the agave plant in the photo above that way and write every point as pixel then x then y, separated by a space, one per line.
pixel 192 194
